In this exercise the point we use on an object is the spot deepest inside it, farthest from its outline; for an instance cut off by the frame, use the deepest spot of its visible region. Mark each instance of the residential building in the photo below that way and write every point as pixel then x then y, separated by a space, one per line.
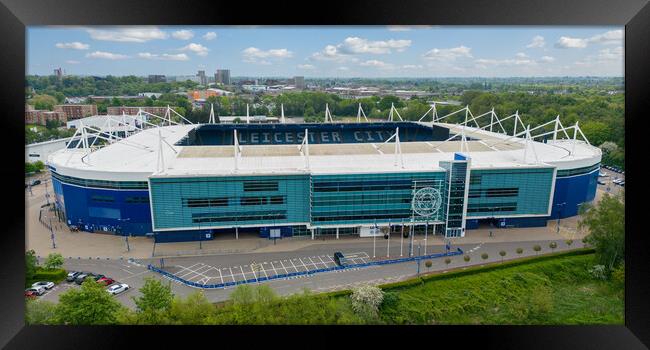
pixel 76 111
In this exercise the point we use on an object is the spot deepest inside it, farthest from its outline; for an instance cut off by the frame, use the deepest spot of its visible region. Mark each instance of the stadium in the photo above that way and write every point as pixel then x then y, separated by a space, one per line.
pixel 178 181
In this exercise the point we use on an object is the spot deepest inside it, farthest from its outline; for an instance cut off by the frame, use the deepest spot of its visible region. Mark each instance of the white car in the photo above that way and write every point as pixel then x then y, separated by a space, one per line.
pixel 46 285
pixel 37 290
pixel 616 180
pixel 601 174
pixel 117 288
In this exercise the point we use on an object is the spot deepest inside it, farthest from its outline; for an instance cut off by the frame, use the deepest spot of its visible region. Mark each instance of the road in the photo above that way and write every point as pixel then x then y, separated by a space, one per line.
pixel 609 186
pixel 126 272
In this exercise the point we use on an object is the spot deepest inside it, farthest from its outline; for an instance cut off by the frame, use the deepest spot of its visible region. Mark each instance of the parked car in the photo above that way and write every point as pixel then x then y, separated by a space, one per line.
pixel 107 281
pixel 600 182
pixel 339 258
pixel 36 182
pixel 44 284
pixel 622 184
pixel 97 277
pixel 30 294
pixel 37 290
pixel 601 174
pixel 616 180
pixel 118 288
pixel 82 277
pixel 72 275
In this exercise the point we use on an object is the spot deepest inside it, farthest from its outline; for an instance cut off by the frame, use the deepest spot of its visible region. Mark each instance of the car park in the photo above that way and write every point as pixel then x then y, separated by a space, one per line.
pixel 37 290
pixel 72 275
pixel 44 284
pixel 117 288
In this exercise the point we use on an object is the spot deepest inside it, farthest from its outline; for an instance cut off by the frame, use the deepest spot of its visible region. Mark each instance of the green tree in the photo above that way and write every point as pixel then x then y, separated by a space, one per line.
pixel 43 102
pixel 31 264
pixel 520 250
pixel 552 245
pixel 195 309
pixel 428 264
pixel 537 248
pixel 40 312
pixel 606 224
pixel 484 256
pixel 466 258
pixel 54 261
pixel 447 261
pixel 88 305
pixel 596 132
pixel 155 301
pixel 569 242
pixel 503 254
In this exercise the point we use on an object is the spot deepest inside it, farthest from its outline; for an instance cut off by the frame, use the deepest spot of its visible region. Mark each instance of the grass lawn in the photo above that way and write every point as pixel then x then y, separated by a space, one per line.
pixel 552 291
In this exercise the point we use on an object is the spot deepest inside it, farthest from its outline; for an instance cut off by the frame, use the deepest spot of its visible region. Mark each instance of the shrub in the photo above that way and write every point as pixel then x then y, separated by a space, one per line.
pixel 502 253
pixel 569 242
pixel 428 264
pixel 55 275
pixel 598 272
pixel 520 250
pixel 447 261
pixel 552 245
pixel 618 275
pixel 366 300
pixel 537 248
pixel 484 256
pixel 466 258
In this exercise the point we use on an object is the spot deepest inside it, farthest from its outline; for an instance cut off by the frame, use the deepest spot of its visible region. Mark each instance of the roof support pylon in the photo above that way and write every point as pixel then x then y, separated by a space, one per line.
pixel 398 149
pixel 248 117
pixel 393 111
pixel 212 120
pixel 236 144
pixel 328 114
pixel 360 112
pixel 282 120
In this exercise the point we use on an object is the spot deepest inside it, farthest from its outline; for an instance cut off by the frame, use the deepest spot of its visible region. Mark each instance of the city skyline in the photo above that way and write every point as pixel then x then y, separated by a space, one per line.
pixel 328 52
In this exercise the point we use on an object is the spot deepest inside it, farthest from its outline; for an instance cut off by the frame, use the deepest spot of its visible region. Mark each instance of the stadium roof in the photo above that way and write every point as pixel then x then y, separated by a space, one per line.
pixel 138 157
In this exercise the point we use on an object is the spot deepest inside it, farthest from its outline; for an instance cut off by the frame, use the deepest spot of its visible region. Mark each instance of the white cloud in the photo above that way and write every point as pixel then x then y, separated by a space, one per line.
pixel 106 55
pixel 608 54
pixel 331 53
pixel 356 45
pixel 210 36
pixel 130 34
pixel 412 66
pixel 258 56
pixel 345 69
pixel 164 57
pixel 306 66
pixel 547 59
pixel 504 62
pixel 72 62
pixel 566 42
pixel 183 34
pixel 450 54
pixel 196 48
pixel 73 45
pixel 612 37
pixel 376 64
pixel 538 41
pixel 521 55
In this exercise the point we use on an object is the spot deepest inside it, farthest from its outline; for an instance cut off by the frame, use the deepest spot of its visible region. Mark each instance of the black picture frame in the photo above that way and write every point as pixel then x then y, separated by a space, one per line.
pixel 15 15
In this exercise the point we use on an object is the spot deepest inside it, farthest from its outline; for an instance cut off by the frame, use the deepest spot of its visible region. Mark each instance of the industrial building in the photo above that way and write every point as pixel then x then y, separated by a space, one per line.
pixel 185 181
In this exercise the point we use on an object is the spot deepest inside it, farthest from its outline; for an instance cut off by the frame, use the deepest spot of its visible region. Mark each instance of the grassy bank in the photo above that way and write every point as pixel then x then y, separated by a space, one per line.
pixel 545 290
pixel 551 289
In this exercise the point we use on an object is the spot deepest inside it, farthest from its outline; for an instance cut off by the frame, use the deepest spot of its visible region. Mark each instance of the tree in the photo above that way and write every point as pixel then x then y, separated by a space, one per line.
pixel 484 256
pixel 466 258
pixel 366 300
pixel 606 224
pixel 447 261
pixel 155 301
pixel 569 242
pixel 246 294
pixel 54 261
pixel 195 309
pixel 30 264
pixel 428 264
pixel 88 305
pixel 537 248
pixel 502 253
pixel 40 312
pixel 43 102
pixel 520 250
pixel 552 245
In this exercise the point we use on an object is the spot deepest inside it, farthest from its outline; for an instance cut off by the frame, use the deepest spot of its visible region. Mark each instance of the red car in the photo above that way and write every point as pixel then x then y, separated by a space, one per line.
pixel 106 281
pixel 30 294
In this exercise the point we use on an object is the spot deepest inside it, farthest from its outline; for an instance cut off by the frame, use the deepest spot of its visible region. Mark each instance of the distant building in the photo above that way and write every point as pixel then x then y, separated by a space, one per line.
pixel 222 76
pixel 59 73
pixel 150 94
pixel 157 79
pixel 76 111
pixel 255 88
pixel 75 100
pixel 183 78
pixel 159 111
pixel 299 82
pixel 203 80
pixel 40 117
pixel 204 94
pixel 104 98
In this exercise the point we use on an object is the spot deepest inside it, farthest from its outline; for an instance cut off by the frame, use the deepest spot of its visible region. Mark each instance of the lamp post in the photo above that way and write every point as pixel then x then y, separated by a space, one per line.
pixel 419 259
pixel 126 236
pixel 401 245
pixel 52 233
pixel 426 229
pixel 560 205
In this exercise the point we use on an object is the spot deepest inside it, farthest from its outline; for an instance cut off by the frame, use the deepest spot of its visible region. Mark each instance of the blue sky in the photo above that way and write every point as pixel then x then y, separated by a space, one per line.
pixel 346 51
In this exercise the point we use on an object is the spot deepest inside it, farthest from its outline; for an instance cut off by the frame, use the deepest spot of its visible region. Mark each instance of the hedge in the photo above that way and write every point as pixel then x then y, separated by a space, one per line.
pixel 56 275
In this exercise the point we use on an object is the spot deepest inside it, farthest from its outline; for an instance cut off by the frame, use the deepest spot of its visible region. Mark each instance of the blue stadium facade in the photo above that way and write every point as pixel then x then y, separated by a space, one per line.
pixel 174 207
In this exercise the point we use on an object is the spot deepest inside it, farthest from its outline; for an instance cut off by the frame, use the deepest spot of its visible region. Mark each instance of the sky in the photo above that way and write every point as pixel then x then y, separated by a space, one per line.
pixel 329 51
